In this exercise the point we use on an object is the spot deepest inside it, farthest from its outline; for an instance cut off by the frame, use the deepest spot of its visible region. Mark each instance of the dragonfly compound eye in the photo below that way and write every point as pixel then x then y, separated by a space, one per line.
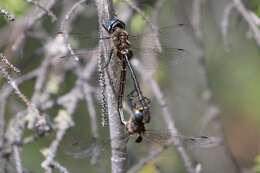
pixel 111 24
pixel 138 115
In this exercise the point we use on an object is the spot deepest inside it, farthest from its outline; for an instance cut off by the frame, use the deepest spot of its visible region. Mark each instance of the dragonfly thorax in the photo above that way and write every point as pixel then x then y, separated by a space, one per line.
pixel 121 42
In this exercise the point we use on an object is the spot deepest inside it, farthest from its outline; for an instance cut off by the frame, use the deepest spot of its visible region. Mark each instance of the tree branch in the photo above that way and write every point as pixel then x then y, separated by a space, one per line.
pixel 249 19
pixel 118 144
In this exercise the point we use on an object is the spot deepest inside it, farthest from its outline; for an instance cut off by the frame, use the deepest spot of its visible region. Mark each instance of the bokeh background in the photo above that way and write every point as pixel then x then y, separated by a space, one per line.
pixel 232 73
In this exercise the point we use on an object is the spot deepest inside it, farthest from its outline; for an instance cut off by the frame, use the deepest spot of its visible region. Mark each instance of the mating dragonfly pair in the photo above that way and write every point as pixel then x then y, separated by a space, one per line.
pixel 137 102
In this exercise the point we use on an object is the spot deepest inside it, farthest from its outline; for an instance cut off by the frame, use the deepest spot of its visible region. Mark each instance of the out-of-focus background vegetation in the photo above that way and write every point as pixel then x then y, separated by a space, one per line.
pixel 233 74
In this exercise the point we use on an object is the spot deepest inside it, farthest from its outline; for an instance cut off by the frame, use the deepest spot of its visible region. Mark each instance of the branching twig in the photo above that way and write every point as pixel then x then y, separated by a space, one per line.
pixel 153 27
pixel 248 18
pixel 152 155
pixel 63 122
pixel 65 25
pixel 207 96
pixel 58 166
pixel 17 91
pixel 10 65
pixel 5 93
pixel 139 11
pixel 18 32
pixel 225 22
pixel 47 11
pixel 10 17
pixel 94 128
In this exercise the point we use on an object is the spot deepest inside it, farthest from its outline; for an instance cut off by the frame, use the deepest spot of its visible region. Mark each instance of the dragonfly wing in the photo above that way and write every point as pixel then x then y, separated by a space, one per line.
pixel 163 48
pixel 193 142
pixel 78 153
pixel 81 54
pixel 161 43
pixel 79 150
pixel 153 58
pixel 161 33
pixel 203 141
pixel 156 138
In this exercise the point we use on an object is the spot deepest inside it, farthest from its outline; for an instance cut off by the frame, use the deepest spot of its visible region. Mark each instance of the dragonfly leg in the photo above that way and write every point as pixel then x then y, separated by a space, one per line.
pixel 131 94
pixel 109 59
pixel 122 118
pixel 130 98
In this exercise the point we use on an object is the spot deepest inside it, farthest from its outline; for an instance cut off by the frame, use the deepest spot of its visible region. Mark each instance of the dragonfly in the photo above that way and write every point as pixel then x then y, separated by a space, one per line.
pixel 140 114
pixel 136 126
pixel 124 51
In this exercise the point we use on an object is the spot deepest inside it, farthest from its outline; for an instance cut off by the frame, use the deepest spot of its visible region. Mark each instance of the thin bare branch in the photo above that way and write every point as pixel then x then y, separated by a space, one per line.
pixel 66 23
pixel 47 11
pixel 94 126
pixel 248 18
pixel 167 117
pixel 17 91
pixel 207 96
pixel 91 110
pixel 152 156
pixel 59 167
pixel 196 10
pixel 10 65
pixel 63 123
pixel 225 23
pixel 153 27
pixel 20 27
pixel 10 17
pixel 2 120
pixel 141 12
pixel 17 159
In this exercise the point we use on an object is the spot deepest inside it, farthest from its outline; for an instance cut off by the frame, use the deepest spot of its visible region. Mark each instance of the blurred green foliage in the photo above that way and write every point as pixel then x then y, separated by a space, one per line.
pixel 16 7
pixel 255 6
pixel 257 166
pixel 137 23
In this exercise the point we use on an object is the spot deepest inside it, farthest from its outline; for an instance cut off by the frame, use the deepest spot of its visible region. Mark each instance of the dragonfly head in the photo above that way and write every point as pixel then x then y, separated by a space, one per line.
pixel 111 24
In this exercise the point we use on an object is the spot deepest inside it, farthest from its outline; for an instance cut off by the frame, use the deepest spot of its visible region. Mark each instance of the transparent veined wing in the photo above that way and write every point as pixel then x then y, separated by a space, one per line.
pixel 160 43
pixel 190 141
pixel 149 137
